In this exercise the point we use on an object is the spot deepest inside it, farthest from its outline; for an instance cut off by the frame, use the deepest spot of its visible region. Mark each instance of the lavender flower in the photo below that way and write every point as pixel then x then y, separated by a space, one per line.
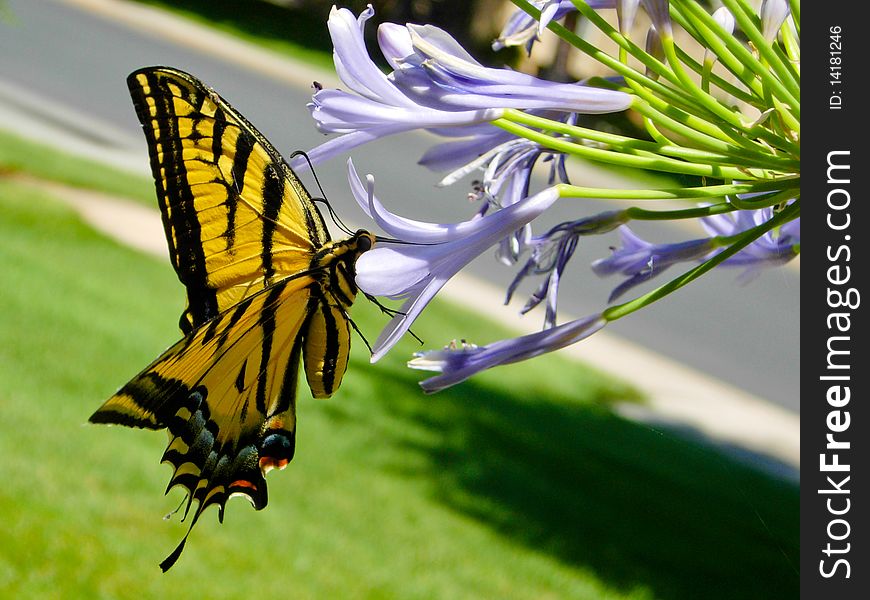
pixel 503 124
pixel 458 363
pixel 641 260
pixel 725 19
pixel 436 85
pixel 774 248
pixel 507 171
pixel 550 255
pixel 654 48
pixel 417 270
pixel 522 29
pixel 441 74
pixel 660 14
pixel 378 108
pixel 507 163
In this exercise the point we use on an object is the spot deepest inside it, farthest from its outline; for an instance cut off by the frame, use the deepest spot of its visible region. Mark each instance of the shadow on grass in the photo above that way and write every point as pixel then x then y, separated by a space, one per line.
pixel 264 20
pixel 640 507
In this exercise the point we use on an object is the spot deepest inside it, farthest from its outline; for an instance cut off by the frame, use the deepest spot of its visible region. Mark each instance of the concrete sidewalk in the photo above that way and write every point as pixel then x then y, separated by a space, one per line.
pixel 678 398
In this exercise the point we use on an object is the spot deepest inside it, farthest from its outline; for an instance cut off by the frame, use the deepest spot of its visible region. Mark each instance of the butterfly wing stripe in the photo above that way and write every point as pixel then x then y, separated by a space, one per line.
pixel 267 323
pixel 273 198
pixel 327 348
pixel 175 196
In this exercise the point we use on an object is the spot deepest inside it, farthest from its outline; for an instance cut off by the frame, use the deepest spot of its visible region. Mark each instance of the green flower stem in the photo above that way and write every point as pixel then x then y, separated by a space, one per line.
pixel 673 95
pixel 654 133
pixel 715 38
pixel 694 129
pixel 707 75
pixel 732 155
pixel 643 86
pixel 746 21
pixel 788 119
pixel 762 201
pixel 706 100
pixel 641 214
pixel 683 116
pixel 655 163
pixel 786 186
pixel 795 6
pixel 741 53
pixel 740 242
pixel 743 59
pixel 717 109
pixel 625 44
pixel 784 58
pixel 792 45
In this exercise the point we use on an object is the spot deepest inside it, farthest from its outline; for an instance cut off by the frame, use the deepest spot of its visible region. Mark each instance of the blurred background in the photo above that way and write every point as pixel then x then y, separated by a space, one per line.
pixel 527 482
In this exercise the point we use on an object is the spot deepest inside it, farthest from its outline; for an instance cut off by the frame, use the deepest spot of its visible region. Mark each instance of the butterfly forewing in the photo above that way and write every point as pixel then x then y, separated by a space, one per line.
pixel 233 211
pixel 266 289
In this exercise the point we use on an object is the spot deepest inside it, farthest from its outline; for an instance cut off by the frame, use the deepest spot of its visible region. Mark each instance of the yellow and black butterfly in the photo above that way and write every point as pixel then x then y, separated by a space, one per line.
pixel 266 287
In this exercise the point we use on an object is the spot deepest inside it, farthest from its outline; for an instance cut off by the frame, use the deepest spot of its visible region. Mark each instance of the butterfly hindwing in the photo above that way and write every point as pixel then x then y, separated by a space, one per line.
pixel 226 393
pixel 266 290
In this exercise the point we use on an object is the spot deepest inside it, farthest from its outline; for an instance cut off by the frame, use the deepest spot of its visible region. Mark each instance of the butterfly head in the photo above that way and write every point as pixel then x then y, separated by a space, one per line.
pixel 364 241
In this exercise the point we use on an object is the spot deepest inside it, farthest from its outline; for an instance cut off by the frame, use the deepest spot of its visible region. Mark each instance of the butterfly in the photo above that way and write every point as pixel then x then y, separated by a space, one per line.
pixel 266 289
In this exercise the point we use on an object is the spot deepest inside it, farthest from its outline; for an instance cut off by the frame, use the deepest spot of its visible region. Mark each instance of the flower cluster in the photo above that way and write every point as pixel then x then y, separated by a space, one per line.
pixel 712 107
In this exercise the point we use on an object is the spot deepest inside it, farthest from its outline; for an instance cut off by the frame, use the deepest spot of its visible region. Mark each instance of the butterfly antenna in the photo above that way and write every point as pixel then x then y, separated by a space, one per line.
pixel 336 219
pixel 380 238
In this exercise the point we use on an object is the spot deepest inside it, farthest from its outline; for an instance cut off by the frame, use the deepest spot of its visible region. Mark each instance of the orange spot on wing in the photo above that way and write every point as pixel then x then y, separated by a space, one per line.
pixel 267 463
pixel 243 483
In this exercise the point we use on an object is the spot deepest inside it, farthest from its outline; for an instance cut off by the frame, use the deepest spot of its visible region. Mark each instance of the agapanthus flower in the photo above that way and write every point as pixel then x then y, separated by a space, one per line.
pixel 521 29
pixel 436 85
pixel 506 179
pixel 654 48
pixel 626 10
pixel 377 108
pixel 441 74
pixel 660 14
pixel 640 260
pixel 506 164
pixel 502 125
pixel 459 362
pixel 550 254
pixel 774 248
pixel 430 254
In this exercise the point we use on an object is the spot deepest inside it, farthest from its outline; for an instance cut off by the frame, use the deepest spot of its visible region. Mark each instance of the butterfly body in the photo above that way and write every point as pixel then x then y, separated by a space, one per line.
pixel 266 289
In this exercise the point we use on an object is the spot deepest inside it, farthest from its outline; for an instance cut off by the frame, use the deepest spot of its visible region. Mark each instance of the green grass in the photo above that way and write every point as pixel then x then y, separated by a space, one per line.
pixel 21 155
pixel 520 483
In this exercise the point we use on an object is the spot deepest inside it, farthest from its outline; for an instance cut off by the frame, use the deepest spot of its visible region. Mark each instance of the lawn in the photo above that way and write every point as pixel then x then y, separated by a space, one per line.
pixel 518 484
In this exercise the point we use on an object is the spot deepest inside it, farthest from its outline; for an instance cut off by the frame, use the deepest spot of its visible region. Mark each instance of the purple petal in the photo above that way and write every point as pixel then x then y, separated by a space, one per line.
pixel 351 58
pixel 493 225
pixel 457 365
